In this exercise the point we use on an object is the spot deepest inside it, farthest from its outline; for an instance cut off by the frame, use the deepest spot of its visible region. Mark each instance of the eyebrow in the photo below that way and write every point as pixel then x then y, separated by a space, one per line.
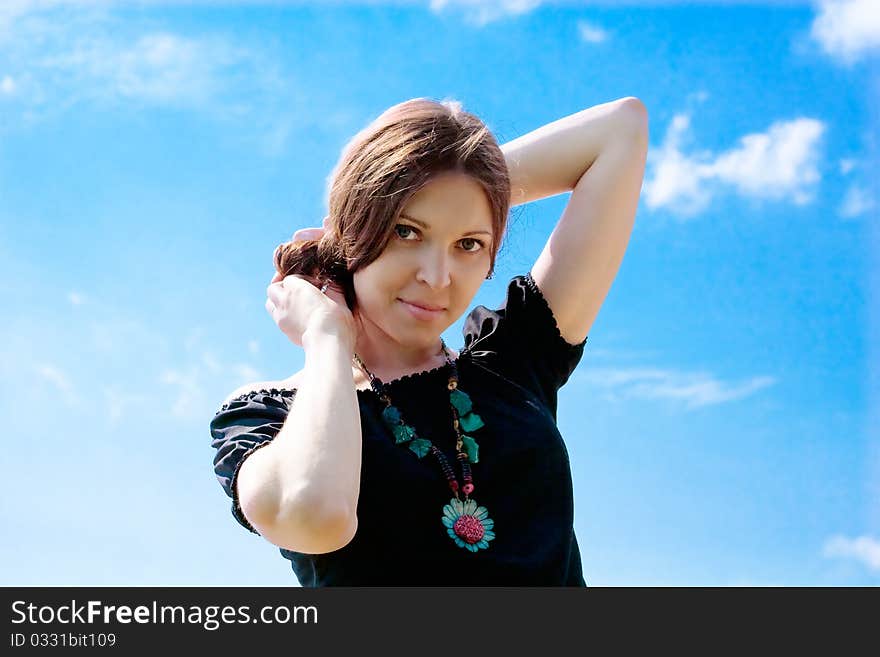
pixel 427 227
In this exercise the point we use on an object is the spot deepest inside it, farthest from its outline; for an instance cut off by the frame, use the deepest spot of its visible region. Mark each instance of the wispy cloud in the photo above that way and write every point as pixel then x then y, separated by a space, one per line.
pixel 58 55
pixel 859 198
pixel 159 68
pixel 61 54
pixel 780 163
pixel 118 401
pixel 864 549
pixel 482 12
pixel 857 201
pixel 61 381
pixel 847 30
pixel 591 33
pixel 191 382
pixel 692 389
pixel 847 165
pixel 107 361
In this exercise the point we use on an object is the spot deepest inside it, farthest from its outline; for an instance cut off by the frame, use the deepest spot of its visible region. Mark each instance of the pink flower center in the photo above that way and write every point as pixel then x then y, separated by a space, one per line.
pixel 468 529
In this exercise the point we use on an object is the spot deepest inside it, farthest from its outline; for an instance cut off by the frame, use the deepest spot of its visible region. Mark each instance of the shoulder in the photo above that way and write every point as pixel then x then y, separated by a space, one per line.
pixel 288 383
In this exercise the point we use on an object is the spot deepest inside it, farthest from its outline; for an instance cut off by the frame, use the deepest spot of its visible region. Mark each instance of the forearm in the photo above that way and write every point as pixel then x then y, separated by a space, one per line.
pixel 311 471
pixel 551 159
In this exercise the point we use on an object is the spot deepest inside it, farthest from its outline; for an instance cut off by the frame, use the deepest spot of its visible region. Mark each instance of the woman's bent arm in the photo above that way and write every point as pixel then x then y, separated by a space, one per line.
pixel 301 491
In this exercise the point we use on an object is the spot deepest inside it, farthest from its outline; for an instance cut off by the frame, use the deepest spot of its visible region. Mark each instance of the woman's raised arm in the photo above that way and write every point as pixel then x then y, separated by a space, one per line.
pixel 599 155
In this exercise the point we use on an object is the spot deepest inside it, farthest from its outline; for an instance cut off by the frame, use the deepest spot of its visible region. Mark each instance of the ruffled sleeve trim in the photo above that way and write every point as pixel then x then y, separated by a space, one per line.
pixel 521 340
pixel 241 426
pixel 553 324
pixel 272 397
pixel 236 506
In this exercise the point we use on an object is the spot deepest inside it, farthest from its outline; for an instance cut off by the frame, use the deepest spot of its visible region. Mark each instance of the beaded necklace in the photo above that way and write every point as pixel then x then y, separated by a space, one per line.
pixel 467 523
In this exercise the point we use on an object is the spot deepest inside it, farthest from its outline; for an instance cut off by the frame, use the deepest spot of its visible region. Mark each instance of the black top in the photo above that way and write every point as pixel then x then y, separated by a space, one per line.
pixel 513 362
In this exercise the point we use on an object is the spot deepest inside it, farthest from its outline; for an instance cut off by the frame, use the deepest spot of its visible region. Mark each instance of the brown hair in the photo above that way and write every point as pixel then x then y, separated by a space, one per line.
pixel 379 170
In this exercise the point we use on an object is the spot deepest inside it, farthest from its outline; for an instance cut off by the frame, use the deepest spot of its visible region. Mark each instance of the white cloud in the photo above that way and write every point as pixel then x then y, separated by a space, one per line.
pixel 117 401
pixel 75 298
pixel 847 165
pixel 7 85
pixel 194 339
pixel 254 346
pixel 858 201
pixel 780 163
pixel 159 68
pixel 209 361
pixel 192 381
pixel 202 369
pixel 847 29
pixel 189 399
pixel 777 163
pixel 864 549
pixel 591 33
pixel 61 381
pixel 693 389
pixel 482 12
pixel 59 54
pixel 246 373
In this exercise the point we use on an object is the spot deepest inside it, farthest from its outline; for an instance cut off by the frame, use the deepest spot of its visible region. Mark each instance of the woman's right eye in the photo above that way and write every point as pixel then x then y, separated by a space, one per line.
pixel 405 227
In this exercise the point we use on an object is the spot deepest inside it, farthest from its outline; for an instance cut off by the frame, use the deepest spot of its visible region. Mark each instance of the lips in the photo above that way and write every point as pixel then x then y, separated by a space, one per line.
pixel 420 313
pixel 426 306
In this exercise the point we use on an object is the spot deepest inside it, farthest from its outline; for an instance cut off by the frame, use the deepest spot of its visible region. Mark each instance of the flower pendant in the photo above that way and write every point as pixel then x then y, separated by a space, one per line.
pixel 468 524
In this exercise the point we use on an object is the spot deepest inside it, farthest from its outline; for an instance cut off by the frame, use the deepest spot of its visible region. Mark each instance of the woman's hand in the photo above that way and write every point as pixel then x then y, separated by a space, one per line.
pixel 296 305
pixel 304 235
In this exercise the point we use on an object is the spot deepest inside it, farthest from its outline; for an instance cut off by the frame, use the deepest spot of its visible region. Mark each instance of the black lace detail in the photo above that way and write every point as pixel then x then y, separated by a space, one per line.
pixel 532 285
pixel 290 392
pixel 409 378
pixel 271 393
pixel 236 506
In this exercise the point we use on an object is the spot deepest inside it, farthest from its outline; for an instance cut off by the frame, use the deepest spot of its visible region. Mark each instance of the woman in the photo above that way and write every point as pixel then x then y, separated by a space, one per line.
pixel 391 459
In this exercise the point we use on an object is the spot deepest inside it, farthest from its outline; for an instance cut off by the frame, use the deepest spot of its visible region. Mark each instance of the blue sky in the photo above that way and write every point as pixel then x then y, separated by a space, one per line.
pixel 152 155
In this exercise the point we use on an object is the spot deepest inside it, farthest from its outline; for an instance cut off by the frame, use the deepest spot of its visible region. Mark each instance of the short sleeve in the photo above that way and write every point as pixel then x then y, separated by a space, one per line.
pixel 521 340
pixel 239 428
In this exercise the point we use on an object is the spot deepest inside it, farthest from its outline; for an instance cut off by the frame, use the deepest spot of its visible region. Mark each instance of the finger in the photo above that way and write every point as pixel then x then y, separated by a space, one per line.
pixel 275 290
pixel 336 293
pixel 305 234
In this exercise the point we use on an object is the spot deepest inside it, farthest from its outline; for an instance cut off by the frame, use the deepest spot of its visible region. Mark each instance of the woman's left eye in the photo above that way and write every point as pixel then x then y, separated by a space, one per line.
pixel 471 242
pixel 476 242
pixel 404 227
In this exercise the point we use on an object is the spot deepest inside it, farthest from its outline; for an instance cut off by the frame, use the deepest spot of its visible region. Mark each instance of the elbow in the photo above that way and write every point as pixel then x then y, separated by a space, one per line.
pixel 634 106
pixel 310 528
pixel 302 521
pixel 635 113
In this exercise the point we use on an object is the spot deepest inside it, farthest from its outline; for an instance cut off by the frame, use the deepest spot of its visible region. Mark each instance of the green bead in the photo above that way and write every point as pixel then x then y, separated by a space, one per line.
pixel 420 446
pixel 471 449
pixel 471 422
pixel 461 401
pixel 402 433
pixel 391 415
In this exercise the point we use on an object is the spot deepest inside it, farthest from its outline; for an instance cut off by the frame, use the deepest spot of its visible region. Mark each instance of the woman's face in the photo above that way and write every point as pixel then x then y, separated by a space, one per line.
pixel 438 256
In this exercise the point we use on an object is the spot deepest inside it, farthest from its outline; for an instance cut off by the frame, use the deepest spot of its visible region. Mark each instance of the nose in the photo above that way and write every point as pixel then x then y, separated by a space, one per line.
pixel 434 269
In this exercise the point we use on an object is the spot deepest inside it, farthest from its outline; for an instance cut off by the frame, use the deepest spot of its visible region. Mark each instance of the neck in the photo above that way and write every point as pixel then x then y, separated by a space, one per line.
pixel 384 358
pixel 388 359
